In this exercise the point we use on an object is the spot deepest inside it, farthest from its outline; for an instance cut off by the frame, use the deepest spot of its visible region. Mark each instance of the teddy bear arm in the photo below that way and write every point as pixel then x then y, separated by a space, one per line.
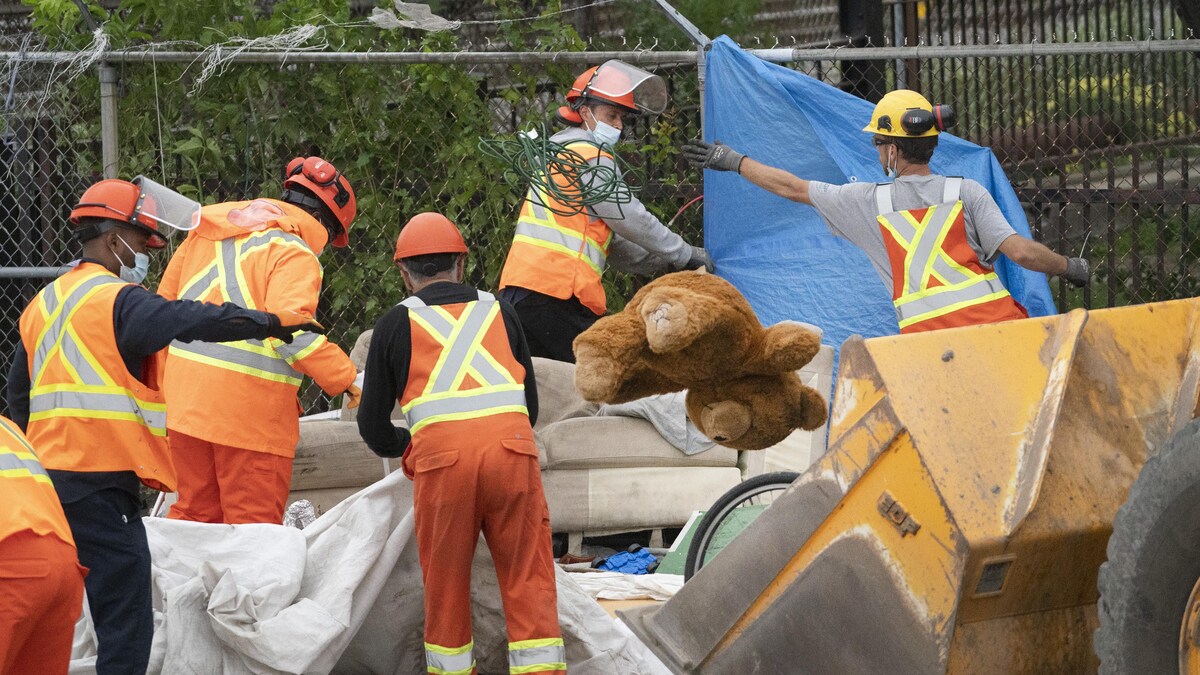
pixel 785 347
pixel 641 382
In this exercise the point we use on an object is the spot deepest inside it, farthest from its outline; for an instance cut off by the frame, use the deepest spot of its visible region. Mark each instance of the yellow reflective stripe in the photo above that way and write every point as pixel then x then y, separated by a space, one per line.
pixel 237 368
pixel 186 292
pixel 952 308
pixel 449 341
pixel 910 251
pixel 18 436
pixel 446 395
pixel 540 642
pixel 241 275
pixel 25 473
pixel 939 290
pixel 449 651
pixel 465 671
pixel 307 350
pixel 95 415
pixel 428 327
pixel 457 417
pixel 891 228
pixel 557 248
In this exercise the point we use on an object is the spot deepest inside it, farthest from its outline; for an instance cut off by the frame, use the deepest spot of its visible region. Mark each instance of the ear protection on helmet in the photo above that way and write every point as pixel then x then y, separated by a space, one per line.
pixel 916 121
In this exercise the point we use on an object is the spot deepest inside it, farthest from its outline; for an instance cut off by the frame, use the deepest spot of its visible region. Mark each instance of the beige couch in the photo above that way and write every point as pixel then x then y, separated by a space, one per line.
pixel 601 474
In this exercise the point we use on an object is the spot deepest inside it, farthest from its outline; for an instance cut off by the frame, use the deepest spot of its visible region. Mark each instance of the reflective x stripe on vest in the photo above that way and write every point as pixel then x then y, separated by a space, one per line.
pixel 462 353
pixel 450 660
pixel 919 298
pixel 251 357
pixel 536 656
pixel 93 393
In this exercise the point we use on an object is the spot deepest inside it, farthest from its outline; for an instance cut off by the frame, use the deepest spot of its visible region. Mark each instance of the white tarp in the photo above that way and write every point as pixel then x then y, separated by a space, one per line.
pixel 343 595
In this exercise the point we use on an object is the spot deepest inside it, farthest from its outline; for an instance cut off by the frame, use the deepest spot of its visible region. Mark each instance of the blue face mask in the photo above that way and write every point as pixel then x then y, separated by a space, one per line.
pixel 605 134
pixel 141 265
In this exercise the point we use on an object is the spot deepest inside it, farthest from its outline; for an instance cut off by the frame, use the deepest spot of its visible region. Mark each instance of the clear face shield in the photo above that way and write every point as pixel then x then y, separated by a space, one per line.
pixel 631 86
pixel 163 209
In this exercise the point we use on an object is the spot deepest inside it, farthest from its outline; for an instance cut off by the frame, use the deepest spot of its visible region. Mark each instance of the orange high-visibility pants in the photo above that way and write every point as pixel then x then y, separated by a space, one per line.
pixel 41 597
pixel 223 484
pixel 496 489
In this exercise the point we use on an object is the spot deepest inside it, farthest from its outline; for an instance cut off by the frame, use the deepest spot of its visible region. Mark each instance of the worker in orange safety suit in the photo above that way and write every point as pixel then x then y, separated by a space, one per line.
pixel 85 384
pixel 41 581
pixel 457 361
pixel 554 269
pixel 234 414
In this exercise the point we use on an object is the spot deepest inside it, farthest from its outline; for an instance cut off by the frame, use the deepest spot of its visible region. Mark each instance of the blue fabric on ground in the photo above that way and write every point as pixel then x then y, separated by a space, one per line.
pixel 779 253
pixel 629 563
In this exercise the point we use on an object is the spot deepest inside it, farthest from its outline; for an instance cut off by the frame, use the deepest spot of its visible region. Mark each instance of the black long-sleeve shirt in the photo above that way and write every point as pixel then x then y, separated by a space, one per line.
pixel 144 323
pixel 389 358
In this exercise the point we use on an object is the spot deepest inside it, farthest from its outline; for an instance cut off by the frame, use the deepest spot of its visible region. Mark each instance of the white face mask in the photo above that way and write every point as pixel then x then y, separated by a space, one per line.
pixel 890 169
pixel 141 264
pixel 604 134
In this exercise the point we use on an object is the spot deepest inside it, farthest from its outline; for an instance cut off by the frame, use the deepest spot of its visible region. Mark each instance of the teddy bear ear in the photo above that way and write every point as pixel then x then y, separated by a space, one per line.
pixel 810 413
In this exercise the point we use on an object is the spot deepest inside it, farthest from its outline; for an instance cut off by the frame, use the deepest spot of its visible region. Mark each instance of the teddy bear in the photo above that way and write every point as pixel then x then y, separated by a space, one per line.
pixel 695 331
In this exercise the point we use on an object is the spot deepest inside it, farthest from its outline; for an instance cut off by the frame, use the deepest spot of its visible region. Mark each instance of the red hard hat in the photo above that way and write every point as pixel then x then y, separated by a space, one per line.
pixel 428 233
pixel 116 199
pixel 328 184
pixel 586 86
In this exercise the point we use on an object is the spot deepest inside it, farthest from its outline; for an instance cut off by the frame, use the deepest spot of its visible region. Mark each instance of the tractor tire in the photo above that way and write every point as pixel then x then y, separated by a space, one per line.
pixel 711 523
pixel 1153 563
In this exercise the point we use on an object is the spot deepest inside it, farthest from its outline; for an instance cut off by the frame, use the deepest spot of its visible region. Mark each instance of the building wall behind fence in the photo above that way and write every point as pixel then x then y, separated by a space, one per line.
pixel 1099 144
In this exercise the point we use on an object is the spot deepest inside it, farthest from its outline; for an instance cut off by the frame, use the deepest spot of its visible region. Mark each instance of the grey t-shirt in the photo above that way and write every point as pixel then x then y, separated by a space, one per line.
pixel 849 210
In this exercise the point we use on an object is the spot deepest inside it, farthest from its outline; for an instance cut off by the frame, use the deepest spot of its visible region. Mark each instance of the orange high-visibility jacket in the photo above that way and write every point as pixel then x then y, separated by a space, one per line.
pixel 462 370
pixel 86 411
pixel 560 256
pixel 30 502
pixel 937 279
pixel 261 255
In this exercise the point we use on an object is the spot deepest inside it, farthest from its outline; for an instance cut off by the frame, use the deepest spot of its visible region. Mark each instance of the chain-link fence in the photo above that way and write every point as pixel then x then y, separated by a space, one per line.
pixel 1101 141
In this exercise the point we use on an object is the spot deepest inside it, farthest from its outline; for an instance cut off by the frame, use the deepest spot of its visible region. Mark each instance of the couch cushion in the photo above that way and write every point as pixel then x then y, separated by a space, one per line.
pixel 556 390
pixel 331 454
pixel 622 500
pixel 614 442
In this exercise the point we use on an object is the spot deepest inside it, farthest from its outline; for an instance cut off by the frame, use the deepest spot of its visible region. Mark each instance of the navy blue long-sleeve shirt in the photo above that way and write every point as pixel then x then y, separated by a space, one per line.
pixel 389 357
pixel 144 324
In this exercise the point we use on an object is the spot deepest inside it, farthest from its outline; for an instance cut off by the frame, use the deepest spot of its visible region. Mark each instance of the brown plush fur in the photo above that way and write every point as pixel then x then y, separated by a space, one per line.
pixel 695 331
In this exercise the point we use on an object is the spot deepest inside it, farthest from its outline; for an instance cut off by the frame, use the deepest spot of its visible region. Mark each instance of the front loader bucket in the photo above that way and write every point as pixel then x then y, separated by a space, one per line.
pixel 960 516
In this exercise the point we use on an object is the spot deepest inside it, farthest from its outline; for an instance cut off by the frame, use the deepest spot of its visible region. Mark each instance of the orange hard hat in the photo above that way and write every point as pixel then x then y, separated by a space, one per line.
pixel 330 187
pixel 428 233
pixel 615 83
pixel 121 200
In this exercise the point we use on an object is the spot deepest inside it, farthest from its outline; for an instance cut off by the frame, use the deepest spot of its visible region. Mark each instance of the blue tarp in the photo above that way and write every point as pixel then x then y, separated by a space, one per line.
pixel 780 254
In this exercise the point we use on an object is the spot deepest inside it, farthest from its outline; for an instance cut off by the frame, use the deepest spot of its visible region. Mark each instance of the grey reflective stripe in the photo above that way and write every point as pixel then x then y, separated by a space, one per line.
pixel 883 198
pixel 536 656
pixel 193 291
pixel 905 229
pixel 925 246
pixel 455 358
pixel 901 225
pixel 74 355
pixel 299 343
pixel 484 295
pixel 536 202
pixel 435 320
pixel 572 241
pixel 9 462
pixel 269 237
pixel 50 297
pixel 952 188
pixel 115 402
pixel 950 274
pixel 987 285
pixel 55 330
pixel 222 352
pixel 456 663
pixel 233 289
pixel 467 402
pixel 412 301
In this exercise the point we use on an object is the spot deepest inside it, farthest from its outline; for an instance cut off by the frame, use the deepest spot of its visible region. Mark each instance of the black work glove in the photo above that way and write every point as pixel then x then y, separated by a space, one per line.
pixel 700 258
pixel 716 156
pixel 1078 272
pixel 285 324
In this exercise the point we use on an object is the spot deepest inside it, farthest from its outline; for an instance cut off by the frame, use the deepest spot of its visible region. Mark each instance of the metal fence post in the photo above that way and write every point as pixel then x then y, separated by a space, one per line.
pixel 108 119
pixel 698 38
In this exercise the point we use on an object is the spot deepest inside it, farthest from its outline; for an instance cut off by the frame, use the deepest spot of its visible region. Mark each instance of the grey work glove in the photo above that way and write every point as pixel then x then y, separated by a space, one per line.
pixel 700 258
pixel 715 156
pixel 1078 272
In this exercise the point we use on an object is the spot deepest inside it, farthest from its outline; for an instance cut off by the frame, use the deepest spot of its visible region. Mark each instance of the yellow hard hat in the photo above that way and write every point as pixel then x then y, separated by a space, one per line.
pixel 886 119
